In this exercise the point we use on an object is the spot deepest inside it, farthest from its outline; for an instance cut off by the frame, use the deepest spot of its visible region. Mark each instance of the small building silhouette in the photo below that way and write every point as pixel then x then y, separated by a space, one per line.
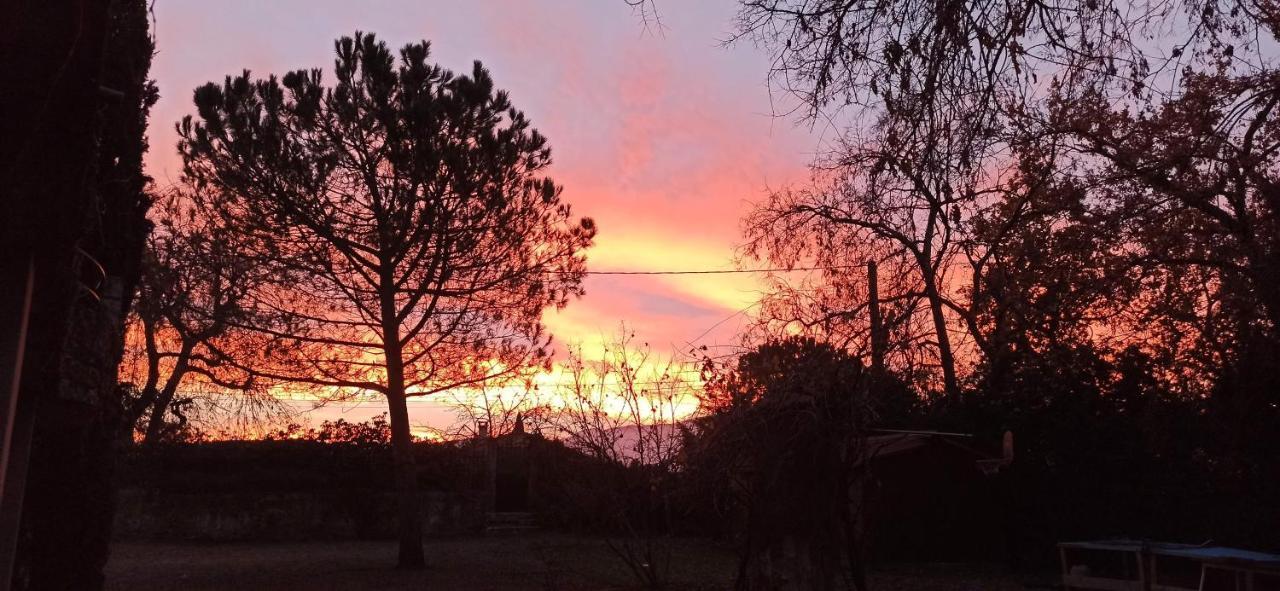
pixel 509 472
pixel 933 497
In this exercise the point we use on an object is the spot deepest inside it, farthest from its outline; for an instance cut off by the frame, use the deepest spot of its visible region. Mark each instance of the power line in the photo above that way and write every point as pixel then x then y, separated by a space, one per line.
pixel 724 320
pixel 717 271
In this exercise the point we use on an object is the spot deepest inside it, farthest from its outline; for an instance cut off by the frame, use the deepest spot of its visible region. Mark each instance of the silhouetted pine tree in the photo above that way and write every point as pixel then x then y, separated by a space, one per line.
pixel 413 241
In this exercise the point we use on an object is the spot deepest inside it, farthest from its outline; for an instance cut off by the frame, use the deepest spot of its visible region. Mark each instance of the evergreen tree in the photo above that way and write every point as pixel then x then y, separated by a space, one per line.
pixel 403 212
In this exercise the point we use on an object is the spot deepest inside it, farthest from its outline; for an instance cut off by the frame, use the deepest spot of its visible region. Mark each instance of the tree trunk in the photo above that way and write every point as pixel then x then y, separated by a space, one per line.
pixel 794 562
pixel 1267 284
pixel 406 471
pixel 945 356
pixel 406 477
pixel 134 411
pixel 855 516
pixel 155 424
pixel 60 493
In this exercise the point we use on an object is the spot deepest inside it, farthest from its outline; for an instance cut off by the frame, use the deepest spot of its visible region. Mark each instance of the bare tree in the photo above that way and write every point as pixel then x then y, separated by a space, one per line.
pixel 918 61
pixel 499 407
pixel 194 292
pixel 413 241
pixel 624 405
pixel 931 104
pixel 902 205
pixel 647 10
pixel 624 408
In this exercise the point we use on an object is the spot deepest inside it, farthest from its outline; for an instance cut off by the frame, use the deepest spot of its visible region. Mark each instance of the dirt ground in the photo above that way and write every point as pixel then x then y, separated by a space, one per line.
pixel 549 562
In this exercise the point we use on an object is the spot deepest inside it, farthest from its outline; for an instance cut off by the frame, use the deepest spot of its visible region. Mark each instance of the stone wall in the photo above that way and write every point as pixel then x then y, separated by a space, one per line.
pixel 148 514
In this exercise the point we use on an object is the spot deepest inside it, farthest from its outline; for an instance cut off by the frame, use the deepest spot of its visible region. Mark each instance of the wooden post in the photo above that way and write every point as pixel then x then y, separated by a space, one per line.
pixel 1066 568
pixel 878 338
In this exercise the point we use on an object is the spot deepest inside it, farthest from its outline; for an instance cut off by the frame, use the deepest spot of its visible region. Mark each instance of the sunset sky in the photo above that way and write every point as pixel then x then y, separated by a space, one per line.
pixel 664 138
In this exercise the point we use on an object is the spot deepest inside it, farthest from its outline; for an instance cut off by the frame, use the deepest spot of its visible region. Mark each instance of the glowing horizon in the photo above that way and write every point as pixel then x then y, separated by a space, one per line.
pixel 663 139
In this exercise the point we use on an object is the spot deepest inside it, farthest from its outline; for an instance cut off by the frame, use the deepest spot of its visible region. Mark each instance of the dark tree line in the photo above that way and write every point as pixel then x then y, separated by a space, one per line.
pixel 1074 211
pixel 969 126
pixel 780 447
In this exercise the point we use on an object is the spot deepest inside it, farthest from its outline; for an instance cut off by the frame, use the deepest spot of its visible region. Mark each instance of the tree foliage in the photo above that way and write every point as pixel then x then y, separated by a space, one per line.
pixel 1065 172
pixel 188 350
pixel 403 214
pixel 782 439
pixel 1094 183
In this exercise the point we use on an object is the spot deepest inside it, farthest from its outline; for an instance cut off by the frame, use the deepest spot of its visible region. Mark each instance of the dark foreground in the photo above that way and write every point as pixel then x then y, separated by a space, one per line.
pixel 549 562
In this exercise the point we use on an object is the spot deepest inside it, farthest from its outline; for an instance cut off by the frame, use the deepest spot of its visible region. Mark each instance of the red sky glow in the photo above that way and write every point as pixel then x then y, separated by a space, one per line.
pixel 663 138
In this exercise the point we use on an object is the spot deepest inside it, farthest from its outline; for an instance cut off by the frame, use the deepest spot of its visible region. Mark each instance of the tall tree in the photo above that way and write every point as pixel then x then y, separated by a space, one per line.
pixel 897 201
pixel 74 204
pixel 403 210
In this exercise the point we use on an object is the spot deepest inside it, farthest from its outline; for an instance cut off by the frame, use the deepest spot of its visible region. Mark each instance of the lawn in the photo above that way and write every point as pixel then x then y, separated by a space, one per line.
pixel 498 563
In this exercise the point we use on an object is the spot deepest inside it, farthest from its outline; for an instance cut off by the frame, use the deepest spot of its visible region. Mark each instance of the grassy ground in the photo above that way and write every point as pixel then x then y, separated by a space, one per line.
pixel 539 562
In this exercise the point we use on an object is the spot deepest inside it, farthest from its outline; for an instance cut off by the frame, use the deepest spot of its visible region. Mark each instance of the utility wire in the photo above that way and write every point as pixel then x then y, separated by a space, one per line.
pixel 715 271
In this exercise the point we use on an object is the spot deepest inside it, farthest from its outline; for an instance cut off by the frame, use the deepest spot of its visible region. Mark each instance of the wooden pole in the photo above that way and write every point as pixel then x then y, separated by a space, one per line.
pixel 878 338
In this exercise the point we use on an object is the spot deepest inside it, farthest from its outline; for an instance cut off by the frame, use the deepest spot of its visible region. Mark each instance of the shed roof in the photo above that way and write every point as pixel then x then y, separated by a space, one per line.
pixel 879 446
